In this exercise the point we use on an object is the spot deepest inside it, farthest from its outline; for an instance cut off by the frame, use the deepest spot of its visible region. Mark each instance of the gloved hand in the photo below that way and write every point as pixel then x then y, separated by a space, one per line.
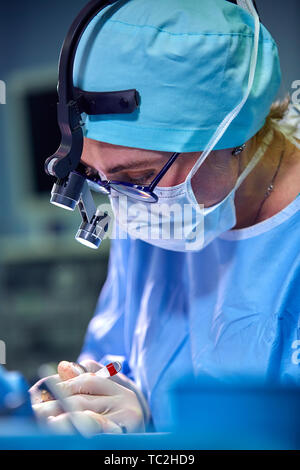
pixel 108 401
pixel 87 422
pixel 66 370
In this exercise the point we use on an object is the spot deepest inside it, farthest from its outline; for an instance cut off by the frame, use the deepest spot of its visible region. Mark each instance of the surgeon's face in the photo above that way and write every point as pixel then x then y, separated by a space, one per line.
pixel 213 181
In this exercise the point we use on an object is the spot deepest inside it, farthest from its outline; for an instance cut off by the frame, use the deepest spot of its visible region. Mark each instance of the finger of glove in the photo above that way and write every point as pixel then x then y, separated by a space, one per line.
pixel 91 384
pixel 86 422
pixel 107 425
pixel 130 417
pixel 98 404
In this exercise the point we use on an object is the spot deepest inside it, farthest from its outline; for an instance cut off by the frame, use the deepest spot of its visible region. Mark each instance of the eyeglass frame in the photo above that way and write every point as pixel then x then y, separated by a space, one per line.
pixel 148 189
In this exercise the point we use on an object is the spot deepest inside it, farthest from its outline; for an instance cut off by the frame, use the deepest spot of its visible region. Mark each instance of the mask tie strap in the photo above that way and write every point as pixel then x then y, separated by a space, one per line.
pixel 255 159
pixel 229 118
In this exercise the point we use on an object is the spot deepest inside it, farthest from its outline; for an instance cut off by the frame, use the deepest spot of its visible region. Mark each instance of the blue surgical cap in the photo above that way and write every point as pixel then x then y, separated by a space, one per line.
pixel 189 61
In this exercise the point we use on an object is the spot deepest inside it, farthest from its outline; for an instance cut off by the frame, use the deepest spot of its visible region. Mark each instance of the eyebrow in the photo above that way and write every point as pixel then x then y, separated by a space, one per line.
pixel 137 164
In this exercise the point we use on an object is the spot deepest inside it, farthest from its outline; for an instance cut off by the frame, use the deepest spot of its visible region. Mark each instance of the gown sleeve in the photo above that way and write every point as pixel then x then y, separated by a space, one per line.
pixel 104 340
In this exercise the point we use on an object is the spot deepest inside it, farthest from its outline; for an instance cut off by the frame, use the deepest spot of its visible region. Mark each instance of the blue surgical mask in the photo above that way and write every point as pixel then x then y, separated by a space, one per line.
pixel 177 222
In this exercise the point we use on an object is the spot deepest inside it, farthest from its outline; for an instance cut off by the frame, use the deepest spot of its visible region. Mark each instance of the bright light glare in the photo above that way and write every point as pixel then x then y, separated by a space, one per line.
pixel 86 243
pixel 62 205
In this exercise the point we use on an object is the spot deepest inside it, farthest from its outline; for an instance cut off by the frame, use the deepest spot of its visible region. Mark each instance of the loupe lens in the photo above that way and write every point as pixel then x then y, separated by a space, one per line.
pixel 134 192
pixel 63 202
pixel 66 192
pixel 88 239
pixel 92 234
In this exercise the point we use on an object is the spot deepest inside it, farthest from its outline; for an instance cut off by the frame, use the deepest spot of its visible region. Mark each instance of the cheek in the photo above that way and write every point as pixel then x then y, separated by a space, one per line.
pixel 212 184
pixel 86 156
pixel 90 155
pixel 179 170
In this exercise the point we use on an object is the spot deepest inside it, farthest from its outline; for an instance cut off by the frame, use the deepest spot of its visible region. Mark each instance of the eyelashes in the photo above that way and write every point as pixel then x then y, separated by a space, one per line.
pixel 140 181
pixel 126 178
pixel 143 180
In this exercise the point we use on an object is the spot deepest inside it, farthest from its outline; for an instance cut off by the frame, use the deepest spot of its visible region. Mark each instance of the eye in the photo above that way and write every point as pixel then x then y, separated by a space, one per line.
pixel 139 180
pixel 142 180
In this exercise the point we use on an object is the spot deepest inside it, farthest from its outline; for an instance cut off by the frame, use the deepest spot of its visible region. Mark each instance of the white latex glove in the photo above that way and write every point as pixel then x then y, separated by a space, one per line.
pixel 113 401
pixel 87 422
pixel 65 370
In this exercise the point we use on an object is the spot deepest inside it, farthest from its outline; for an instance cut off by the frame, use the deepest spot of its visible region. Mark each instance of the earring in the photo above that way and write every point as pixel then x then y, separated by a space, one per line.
pixel 238 150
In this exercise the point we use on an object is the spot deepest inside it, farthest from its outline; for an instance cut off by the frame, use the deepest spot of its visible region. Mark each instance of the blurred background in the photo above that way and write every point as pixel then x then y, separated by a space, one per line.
pixel 49 284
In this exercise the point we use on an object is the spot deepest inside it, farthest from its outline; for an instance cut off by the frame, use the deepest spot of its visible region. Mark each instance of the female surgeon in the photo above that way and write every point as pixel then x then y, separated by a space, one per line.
pixel 223 298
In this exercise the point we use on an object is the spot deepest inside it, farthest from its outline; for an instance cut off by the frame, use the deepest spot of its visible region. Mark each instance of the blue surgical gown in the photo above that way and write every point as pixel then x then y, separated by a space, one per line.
pixel 226 311
pixel 13 385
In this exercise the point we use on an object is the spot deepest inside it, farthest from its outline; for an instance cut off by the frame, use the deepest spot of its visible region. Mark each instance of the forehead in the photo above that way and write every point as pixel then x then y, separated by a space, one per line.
pixel 113 158
pixel 101 147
